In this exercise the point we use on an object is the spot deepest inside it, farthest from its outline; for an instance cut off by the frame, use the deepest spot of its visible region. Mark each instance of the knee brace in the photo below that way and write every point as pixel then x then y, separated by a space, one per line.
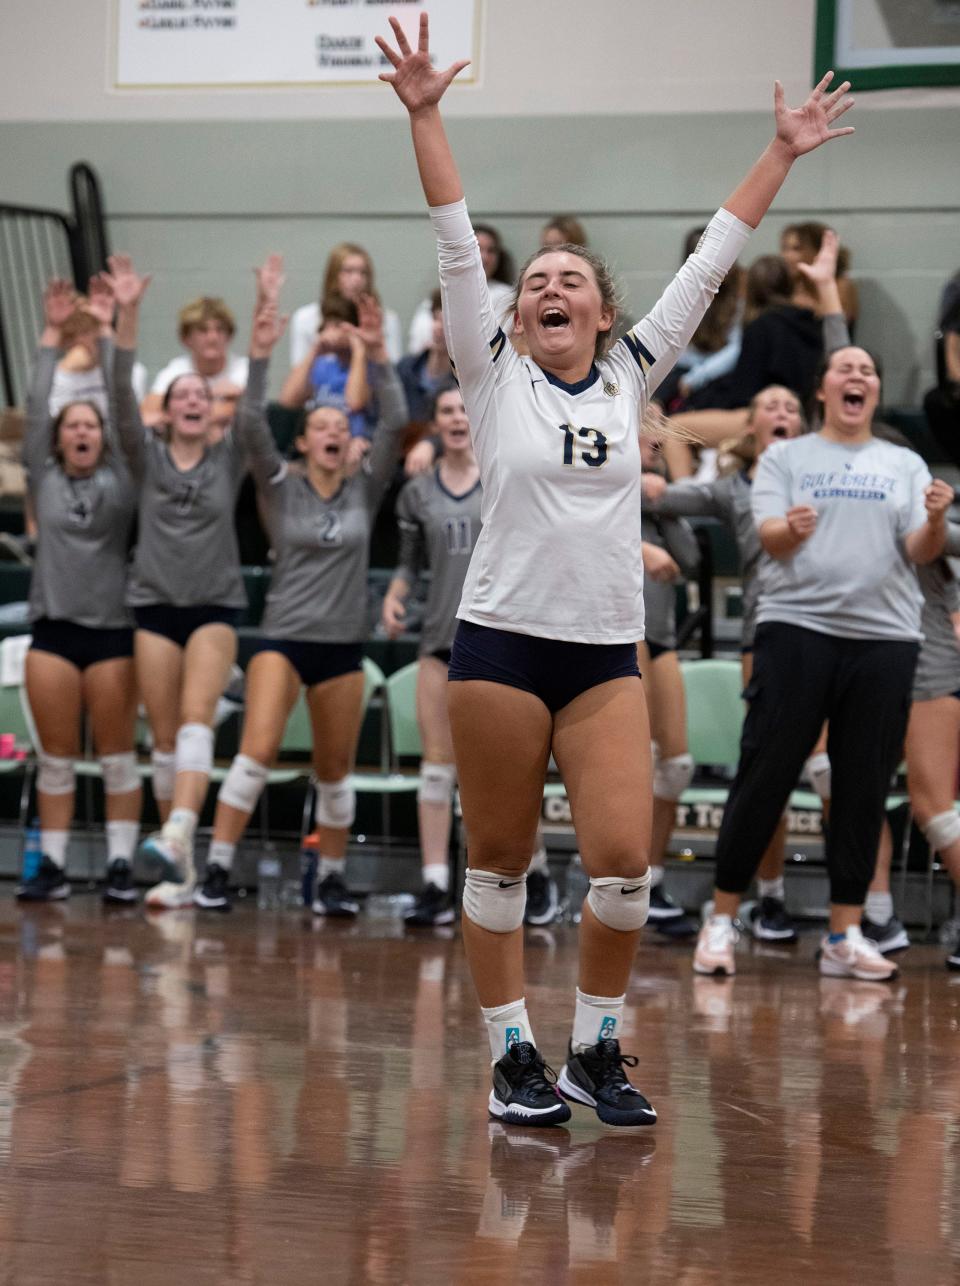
pixel 336 804
pixel 120 774
pixel 495 902
pixel 620 903
pixel 671 777
pixel 942 830
pixel 56 774
pixel 194 751
pixel 436 783
pixel 164 772
pixel 817 769
pixel 244 783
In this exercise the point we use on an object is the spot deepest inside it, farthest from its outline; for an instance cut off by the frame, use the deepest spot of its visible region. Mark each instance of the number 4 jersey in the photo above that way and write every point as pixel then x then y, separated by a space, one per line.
pixel 559 553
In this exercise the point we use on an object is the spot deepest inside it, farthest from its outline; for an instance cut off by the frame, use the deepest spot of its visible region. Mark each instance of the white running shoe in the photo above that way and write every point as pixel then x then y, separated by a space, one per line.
pixel 854 956
pixel 714 953
pixel 168 896
pixel 171 852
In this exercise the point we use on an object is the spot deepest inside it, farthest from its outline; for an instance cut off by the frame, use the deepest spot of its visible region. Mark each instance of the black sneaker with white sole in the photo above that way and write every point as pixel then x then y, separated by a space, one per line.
pixel 596 1078
pixel 542 899
pixel 953 959
pixel 433 906
pixel 523 1092
pixel 214 893
pixel 119 887
pixel 887 938
pixel 667 918
pixel 50 884
pixel 768 920
pixel 333 898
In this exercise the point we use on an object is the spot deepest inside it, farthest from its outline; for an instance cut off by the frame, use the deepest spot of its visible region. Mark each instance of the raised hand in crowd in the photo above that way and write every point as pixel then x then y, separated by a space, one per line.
pixel 129 288
pixel 99 303
pixel 270 276
pixel 59 302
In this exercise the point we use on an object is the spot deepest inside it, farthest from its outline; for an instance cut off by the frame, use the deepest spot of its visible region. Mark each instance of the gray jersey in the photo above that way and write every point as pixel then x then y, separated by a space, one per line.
pixel 318 592
pixel 187 553
pixel 938 668
pixel 84 525
pixel 852 577
pixel 660 597
pixel 441 530
pixel 729 499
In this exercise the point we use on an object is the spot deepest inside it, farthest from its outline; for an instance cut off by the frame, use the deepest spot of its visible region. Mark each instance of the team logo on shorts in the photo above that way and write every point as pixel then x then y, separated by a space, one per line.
pixel 608 1027
pixel 611 389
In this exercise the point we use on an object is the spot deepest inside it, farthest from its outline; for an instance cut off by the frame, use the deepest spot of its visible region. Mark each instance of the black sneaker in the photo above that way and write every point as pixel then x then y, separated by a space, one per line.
pixel 50 884
pixel 119 887
pixel 887 938
pixel 953 959
pixel 214 893
pixel 596 1078
pixel 769 921
pixel 668 918
pixel 333 898
pixel 523 1093
pixel 433 906
pixel 542 899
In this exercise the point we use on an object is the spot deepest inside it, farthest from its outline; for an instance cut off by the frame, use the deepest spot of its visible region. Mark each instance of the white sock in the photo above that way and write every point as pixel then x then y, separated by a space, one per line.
pixel 331 866
pixel 879 907
pixel 221 853
pixel 53 844
pixel 121 840
pixel 437 873
pixel 184 821
pixel 656 876
pixel 596 1018
pixel 507 1025
pixel 771 888
pixel 722 921
pixel 539 862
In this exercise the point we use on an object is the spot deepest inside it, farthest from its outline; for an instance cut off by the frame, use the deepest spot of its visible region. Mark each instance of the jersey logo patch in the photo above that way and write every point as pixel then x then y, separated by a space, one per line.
pixel 611 389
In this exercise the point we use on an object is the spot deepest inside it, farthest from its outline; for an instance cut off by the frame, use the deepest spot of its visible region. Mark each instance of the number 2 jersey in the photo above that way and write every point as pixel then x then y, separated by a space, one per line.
pixel 559 552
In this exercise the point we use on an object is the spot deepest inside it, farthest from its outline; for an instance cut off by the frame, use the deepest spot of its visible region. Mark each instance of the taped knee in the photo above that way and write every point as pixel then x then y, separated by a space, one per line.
pixel 120 775
pixel 818 770
pixel 671 777
pixel 336 804
pixel 244 783
pixel 194 751
pixel 495 902
pixel 163 764
pixel 56 774
pixel 620 903
pixel 942 830
pixel 436 783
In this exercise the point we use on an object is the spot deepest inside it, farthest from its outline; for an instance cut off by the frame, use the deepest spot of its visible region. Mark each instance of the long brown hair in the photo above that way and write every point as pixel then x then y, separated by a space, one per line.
pixel 714 330
pixel 768 285
pixel 330 288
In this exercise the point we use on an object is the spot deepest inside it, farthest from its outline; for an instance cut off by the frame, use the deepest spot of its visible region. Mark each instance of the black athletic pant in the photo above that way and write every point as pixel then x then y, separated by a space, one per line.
pixel 800 679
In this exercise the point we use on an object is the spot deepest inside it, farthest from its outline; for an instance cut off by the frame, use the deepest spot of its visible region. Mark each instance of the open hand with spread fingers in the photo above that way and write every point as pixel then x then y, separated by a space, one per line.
pixel 414 78
pixel 59 301
pixel 804 128
pixel 125 282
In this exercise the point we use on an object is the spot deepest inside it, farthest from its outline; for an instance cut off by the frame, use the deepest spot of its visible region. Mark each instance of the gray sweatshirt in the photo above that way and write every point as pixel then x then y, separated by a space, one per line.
pixel 660 597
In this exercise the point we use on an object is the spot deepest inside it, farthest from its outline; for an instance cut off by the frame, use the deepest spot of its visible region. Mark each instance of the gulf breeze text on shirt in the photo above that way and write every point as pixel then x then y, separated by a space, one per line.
pixel 700 817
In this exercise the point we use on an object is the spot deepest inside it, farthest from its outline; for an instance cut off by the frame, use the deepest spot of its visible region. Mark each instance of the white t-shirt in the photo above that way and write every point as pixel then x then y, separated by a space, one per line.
pixel 852 577
pixel 559 552
pixel 421 327
pixel 235 372
pixel 303 331
pixel 90 386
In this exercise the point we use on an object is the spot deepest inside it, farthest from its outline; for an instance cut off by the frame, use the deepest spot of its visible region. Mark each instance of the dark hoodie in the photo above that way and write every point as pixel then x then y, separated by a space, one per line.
pixel 784 345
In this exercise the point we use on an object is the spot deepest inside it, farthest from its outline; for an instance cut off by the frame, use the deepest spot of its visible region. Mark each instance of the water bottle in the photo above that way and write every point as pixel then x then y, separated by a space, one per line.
pixel 268 884
pixel 32 852
pixel 578 883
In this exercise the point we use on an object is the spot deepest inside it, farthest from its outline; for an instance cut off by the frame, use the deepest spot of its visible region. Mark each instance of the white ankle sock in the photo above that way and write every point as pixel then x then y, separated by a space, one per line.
pixel 507 1025
pixel 771 888
pixel 539 862
pixel 596 1018
pixel 879 907
pixel 53 844
pixel 221 853
pixel 437 873
pixel 656 876
pixel 121 840
pixel 184 822
pixel 331 866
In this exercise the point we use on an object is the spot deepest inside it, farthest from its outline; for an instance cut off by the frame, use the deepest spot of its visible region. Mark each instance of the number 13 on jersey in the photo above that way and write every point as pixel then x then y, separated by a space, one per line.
pixel 576 440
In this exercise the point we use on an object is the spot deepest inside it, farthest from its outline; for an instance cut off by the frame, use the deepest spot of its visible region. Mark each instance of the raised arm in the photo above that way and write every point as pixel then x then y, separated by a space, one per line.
pixel 59 301
pixel 822 276
pixel 128 289
pixel 254 439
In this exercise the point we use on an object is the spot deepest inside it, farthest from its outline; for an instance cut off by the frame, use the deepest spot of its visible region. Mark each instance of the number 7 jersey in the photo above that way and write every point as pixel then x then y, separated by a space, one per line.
pixel 559 552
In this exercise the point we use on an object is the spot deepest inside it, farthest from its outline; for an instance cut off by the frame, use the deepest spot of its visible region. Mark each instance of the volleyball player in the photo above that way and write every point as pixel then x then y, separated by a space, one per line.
pixel 81 656
pixel 545 654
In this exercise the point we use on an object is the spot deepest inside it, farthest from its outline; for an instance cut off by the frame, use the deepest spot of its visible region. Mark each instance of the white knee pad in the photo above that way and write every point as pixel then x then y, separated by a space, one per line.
pixel 436 783
pixel 163 763
pixel 194 748
pixel 620 903
pixel 336 803
pixel 244 783
pixel 817 769
pixel 942 830
pixel 56 774
pixel 495 902
pixel 120 774
pixel 671 777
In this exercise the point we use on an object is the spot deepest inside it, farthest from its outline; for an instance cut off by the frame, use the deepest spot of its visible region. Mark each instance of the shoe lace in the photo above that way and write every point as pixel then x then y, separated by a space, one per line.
pixel 537 1075
pixel 613 1061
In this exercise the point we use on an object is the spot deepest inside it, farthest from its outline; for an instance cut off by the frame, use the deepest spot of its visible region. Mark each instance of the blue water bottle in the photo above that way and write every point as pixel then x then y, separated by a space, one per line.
pixel 32 852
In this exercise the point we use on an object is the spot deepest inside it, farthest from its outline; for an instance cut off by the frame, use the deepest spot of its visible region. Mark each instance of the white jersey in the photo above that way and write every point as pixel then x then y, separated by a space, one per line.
pixel 559 553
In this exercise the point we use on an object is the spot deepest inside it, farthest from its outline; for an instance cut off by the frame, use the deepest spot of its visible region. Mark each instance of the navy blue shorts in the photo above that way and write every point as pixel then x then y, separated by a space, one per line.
pixel 178 623
pixel 657 649
pixel 315 662
pixel 81 645
pixel 552 669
